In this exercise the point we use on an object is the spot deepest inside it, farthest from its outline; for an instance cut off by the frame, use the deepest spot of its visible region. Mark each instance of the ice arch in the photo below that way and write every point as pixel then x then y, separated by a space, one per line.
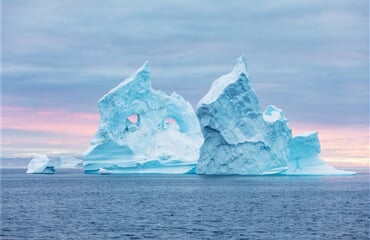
pixel 131 136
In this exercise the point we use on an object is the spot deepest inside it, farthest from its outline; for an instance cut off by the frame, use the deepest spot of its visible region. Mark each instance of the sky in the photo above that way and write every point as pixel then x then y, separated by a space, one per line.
pixel 308 57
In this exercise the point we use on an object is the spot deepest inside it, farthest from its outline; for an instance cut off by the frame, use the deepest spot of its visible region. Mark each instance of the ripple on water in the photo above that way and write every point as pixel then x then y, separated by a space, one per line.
pixel 76 206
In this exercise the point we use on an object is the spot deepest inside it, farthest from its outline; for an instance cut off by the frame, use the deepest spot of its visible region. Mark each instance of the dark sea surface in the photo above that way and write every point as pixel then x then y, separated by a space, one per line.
pixel 70 205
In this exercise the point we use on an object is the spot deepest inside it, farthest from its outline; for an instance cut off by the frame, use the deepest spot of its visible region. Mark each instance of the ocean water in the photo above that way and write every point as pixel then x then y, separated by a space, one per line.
pixel 70 205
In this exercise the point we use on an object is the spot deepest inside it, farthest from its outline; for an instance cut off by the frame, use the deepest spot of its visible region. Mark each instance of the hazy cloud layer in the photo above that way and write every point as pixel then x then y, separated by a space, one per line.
pixel 308 57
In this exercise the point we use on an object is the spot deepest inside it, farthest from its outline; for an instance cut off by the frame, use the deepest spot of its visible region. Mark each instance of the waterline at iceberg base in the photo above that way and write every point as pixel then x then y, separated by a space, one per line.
pixel 143 130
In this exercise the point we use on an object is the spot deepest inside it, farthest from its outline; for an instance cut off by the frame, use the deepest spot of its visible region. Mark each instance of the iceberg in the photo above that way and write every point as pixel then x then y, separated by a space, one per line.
pixel 238 137
pixel 68 162
pixel 40 164
pixel 143 130
pixel 304 150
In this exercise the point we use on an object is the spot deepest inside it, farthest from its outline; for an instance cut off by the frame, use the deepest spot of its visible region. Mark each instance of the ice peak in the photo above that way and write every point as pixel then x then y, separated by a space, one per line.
pixel 144 71
pixel 145 67
pixel 241 65
pixel 219 85
pixel 141 75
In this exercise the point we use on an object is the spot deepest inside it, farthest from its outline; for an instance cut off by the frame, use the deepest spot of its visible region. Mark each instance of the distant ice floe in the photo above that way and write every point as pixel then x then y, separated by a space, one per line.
pixel 40 164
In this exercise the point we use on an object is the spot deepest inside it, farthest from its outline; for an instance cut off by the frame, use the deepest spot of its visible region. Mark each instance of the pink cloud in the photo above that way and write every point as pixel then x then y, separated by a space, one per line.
pixel 72 132
pixel 51 121
pixel 55 131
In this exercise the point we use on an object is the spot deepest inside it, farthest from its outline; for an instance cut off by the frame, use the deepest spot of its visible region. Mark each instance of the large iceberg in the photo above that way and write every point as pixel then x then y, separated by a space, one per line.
pixel 68 162
pixel 144 130
pixel 238 137
pixel 304 157
pixel 40 164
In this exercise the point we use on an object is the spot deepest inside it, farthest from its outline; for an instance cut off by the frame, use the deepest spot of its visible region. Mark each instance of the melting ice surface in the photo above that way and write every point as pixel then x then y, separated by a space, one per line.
pixel 143 130
pixel 304 157
pixel 40 164
pixel 238 137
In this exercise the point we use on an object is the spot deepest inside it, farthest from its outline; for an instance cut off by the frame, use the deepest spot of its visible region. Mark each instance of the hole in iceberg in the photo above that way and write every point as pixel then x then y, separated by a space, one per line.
pixel 133 122
pixel 170 123
pixel 133 118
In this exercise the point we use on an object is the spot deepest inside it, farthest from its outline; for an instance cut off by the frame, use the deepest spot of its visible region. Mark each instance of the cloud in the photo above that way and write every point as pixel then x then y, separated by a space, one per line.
pixel 50 121
pixel 310 58
pixel 26 131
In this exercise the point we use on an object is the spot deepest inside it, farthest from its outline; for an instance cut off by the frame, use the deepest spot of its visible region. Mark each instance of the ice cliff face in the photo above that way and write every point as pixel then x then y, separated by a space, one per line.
pixel 40 164
pixel 304 157
pixel 144 130
pixel 238 137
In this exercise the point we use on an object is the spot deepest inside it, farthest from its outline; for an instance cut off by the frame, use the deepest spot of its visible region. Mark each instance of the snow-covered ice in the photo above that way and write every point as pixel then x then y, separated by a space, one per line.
pixel 304 159
pixel 143 130
pixel 238 137
pixel 41 164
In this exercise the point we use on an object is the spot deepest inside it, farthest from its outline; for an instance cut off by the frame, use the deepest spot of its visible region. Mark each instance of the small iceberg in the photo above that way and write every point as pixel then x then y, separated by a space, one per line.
pixel 40 164
pixel 304 157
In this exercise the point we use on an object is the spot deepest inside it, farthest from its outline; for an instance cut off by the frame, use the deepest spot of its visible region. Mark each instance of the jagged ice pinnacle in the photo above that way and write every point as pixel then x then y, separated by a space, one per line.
pixel 238 137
